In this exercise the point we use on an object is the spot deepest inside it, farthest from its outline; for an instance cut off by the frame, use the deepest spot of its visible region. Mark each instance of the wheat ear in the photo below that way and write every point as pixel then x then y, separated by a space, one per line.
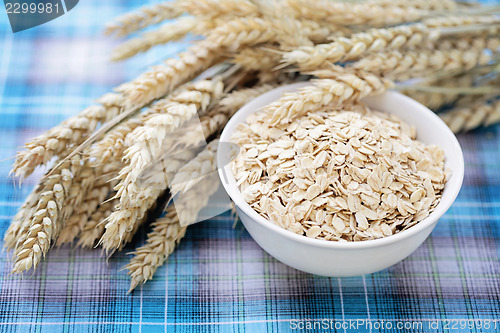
pixel 132 208
pixel 412 63
pixel 167 231
pixel 434 5
pixel 102 185
pixel 166 33
pixel 341 87
pixel 93 228
pixel 72 131
pixel 35 241
pixel 203 164
pixel 449 21
pixel 21 221
pixel 147 141
pixel 161 242
pixel 256 59
pixel 164 78
pixel 434 100
pixel 466 118
pixel 220 8
pixel 354 14
pixel 145 16
pixel 342 49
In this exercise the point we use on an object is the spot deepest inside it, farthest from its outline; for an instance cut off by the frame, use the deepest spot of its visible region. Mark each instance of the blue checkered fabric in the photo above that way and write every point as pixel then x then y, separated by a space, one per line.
pixel 219 279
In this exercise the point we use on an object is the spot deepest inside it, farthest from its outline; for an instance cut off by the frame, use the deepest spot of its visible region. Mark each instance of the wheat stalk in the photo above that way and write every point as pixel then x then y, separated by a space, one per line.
pixel 145 16
pixel 35 241
pixel 338 88
pixel 466 118
pixel 72 131
pixel 166 33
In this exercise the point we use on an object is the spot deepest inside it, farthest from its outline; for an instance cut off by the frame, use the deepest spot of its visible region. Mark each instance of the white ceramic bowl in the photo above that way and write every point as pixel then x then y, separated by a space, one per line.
pixel 331 258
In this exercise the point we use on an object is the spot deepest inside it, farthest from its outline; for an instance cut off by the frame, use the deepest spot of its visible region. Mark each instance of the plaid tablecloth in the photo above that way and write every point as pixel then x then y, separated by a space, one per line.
pixel 219 279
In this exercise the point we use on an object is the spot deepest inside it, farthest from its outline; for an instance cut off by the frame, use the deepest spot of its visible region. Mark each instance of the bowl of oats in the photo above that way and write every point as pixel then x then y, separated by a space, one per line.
pixel 345 190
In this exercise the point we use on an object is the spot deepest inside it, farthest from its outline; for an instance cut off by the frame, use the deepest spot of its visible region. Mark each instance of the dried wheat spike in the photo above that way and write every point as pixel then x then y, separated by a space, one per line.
pixel 357 13
pixel 256 58
pixel 93 229
pixel 161 242
pixel 91 198
pixel 215 120
pixel 43 227
pixel 153 254
pixel 413 63
pixel 164 78
pixel 220 8
pixel 147 141
pixel 72 131
pixel 435 5
pixel 166 33
pixel 21 221
pixel 112 145
pixel 434 100
pixel 132 209
pixel 359 44
pixel 190 174
pixel 145 16
pixel 241 32
pixel 466 118
pixel 333 89
pixel 459 21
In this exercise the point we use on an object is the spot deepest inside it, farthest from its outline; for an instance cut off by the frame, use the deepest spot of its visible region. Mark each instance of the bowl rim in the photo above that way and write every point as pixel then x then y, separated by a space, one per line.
pixel 454 184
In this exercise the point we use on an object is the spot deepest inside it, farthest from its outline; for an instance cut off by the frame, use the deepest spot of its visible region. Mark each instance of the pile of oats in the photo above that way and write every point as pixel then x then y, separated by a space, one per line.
pixel 349 174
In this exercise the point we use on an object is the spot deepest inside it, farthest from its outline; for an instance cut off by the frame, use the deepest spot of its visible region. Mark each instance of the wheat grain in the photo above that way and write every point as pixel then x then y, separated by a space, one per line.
pixel 166 33
pixel 145 16
pixel 161 242
pixel 340 88
pixel 351 48
pixel 466 118
pixel 72 131
pixel 45 222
